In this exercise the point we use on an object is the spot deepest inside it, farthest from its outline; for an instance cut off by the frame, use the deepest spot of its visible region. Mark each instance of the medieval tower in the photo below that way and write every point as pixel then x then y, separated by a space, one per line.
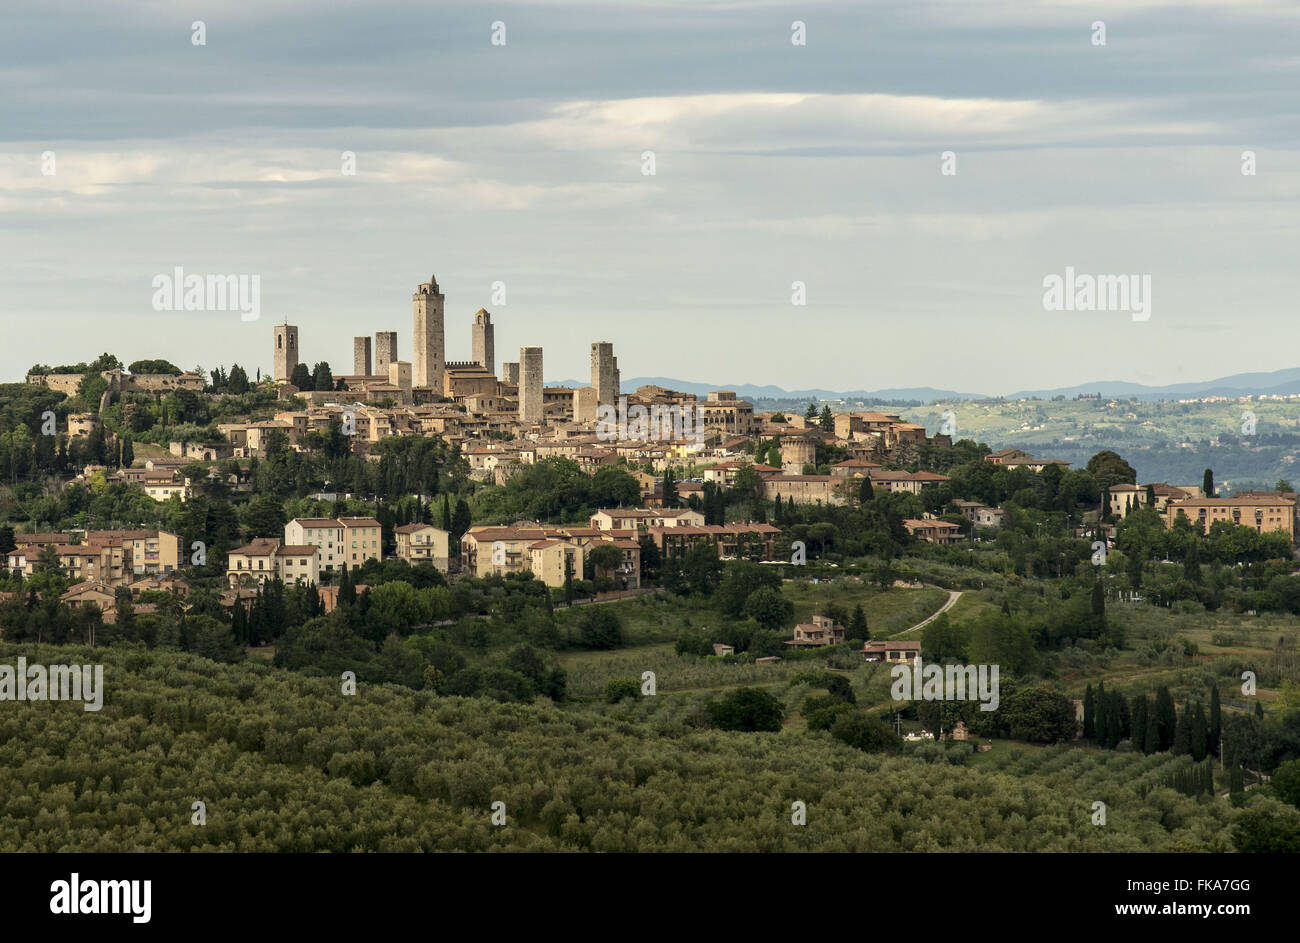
pixel 286 350
pixel 483 349
pixel 602 373
pixel 530 384
pixel 385 351
pixel 428 360
pixel 361 356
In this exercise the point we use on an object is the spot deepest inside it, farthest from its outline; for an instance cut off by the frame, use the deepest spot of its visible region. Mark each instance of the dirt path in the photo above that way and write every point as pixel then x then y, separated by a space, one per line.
pixel 953 596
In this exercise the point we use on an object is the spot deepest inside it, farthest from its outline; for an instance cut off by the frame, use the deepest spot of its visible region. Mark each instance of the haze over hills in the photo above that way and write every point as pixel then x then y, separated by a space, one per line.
pixel 1277 382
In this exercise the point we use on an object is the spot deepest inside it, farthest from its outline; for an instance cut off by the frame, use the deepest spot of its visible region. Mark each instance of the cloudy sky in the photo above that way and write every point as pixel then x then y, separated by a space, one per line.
pixel 775 163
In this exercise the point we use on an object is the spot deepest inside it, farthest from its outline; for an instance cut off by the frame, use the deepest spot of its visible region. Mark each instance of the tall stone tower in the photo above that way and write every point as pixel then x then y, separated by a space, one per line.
pixel 602 373
pixel 483 346
pixel 428 359
pixel 618 379
pixel 385 351
pixel 530 384
pixel 510 373
pixel 286 350
pixel 361 356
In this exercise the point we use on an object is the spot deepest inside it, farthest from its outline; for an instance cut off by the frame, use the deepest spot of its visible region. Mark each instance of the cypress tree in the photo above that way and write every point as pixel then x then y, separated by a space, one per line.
pixel 1215 733
pixel 239 623
pixel 1192 563
pixel 858 624
pixel 1151 740
pixel 669 498
pixel 1166 716
pixel 1089 713
pixel 347 592
pixel 460 518
pixel 1259 710
pixel 1114 719
pixel 446 513
pixel 1207 483
pixel 1236 780
pixel 1100 720
pixel 1199 732
pixel 1183 733
pixel 1140 723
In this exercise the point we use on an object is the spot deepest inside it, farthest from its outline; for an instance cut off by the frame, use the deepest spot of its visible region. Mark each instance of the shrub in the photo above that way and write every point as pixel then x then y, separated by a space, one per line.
pixel 747 709
pixel 620 688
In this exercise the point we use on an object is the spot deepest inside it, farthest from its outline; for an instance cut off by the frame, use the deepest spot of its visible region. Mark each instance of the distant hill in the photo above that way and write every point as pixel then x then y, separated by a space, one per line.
pixel 924 394
pixel 1278 382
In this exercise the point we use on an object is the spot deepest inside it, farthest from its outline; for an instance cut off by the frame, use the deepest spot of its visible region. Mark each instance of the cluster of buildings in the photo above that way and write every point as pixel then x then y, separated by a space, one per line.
pixel 99 562
pixel 113 557
pixel 823 631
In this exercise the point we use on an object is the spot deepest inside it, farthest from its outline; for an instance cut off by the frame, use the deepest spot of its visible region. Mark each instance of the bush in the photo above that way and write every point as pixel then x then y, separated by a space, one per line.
pixel 868 734
pixel 620 688
pixel 600 627
pixel 747 709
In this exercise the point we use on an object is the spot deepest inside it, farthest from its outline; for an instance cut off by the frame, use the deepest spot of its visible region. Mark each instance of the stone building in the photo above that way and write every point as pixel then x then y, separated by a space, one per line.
pixel 510 373
pixel 584 404
pixel 399 374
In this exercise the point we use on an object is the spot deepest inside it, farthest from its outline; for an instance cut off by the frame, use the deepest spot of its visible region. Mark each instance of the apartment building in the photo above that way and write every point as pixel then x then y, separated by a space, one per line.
pixel 1263 512
pixel 639 518
pixel 732 540
pixel 424 543
pixel 488 550
pixel 115 557
pixel 349 541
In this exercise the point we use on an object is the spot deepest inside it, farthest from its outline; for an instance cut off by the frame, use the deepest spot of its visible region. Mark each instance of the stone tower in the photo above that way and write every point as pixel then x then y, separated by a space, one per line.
pixel 385 351
pixel 602 373
pixel 530 384
pixel 483 348
pixel 428 358
pixel 286 350
pixel 510 373
pixel 796 452
pixel 361 356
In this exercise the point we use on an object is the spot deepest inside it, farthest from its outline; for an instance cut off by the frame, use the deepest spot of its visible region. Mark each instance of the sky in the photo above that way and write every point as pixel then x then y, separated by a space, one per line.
pixel 775 163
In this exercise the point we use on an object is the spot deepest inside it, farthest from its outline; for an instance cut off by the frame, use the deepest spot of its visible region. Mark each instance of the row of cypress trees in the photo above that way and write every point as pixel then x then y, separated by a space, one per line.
pixel 1152 725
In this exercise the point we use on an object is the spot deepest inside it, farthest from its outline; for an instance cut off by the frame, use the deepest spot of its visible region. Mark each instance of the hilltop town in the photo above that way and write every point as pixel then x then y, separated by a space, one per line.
pixel 462 531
